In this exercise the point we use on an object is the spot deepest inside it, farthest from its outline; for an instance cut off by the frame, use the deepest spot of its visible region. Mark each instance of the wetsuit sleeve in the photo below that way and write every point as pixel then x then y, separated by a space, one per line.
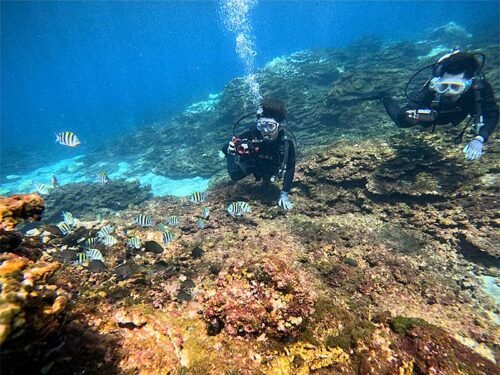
pixel 290 168
pixel 489 110
pixel 398 115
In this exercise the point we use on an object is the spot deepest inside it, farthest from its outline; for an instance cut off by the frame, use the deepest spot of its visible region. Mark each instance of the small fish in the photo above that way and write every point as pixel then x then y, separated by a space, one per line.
pixel 238 208
pixel 67 139
pixel 173 220
pixel 98 217
pixel 205 212
pixel 42 189
pixel 109 240
pixel 168 236
pixel 55 183
pixel 198 197
pixel 94 254
pixel 90 242
pixel 134 242
pixel 106 230
pixel 162 227
pixel 102 177
pixel 68 218
pixel 65 228
pixel 143 220
pixel 81 258
pixel 200 223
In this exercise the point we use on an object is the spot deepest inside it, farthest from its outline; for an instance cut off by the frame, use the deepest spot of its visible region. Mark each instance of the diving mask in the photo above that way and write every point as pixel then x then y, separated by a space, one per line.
pixel 267 125
pixel 450 86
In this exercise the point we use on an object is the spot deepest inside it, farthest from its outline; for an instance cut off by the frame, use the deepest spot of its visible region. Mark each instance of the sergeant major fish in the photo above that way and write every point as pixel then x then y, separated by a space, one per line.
pixel 102 177
pixel 238 208
pixel 143 220
pixel 42 189
pixel 168 236
pixel 173 220
pixel 198 197
pixel 205 212
pixel 67 139
pixel 94 254
pixel 134 242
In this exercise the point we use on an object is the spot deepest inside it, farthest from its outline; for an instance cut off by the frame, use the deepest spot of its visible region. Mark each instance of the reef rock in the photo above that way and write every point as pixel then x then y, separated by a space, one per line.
pixel 264 297
pixel 30 308
pixel 87 200
pixel 19 207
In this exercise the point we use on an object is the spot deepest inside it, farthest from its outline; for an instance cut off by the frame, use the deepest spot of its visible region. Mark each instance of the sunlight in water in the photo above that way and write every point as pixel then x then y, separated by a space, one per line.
pixel 234 14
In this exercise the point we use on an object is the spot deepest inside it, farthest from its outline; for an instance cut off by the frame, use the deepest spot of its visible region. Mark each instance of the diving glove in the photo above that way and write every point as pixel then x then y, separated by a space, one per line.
pixel 284 201
pixel 231 147
pixel 474 149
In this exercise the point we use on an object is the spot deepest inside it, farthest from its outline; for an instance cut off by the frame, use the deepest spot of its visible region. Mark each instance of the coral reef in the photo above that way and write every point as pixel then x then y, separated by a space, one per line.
pixel 255 298
pixel 87 200
pixel 17 208
pixel 378 269
pixel 30 307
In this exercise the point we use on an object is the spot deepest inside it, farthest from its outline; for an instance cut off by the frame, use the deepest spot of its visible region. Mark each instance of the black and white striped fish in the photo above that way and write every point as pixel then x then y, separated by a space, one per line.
pixel 168 236
pixel 143 220
pixel 173 220
pixel 109 240
pixel 238 208
pixel 102 177
pixel 94 254
pixel 81 258
pixel 67 139
pixel 198 197
pixel 134 242
pixel 90 242
pixel 42 189
pixel 68 218
pixel 65 228
pixel 104 231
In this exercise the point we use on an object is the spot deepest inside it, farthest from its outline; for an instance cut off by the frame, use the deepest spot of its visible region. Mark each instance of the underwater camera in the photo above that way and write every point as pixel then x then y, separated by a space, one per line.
pixel 246 146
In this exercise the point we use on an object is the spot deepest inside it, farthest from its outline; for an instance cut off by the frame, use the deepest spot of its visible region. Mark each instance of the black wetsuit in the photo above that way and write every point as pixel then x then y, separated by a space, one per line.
pixel 449 113
pixel 267 161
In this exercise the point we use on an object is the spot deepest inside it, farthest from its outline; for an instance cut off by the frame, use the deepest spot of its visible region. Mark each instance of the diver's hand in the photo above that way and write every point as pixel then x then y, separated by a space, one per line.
pixel 474 149
pixel 284 201
pixel 231 147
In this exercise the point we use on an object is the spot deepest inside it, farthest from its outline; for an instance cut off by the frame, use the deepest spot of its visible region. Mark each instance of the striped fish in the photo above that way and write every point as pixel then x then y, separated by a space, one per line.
pixel 205 212
pixel 161 227
pixel 67 139
pixel 238 208
pixel 198 197
pixel 81 258
pixel 94 254
pixel 109 240
pixel 68 218
pixel 200 223
pixel 90 242
pixel 42 189
pixel 65 228
pixel 168 236
pixel 143 220
pixel 102 177
pixel 104 231
pixel 134 242
pixel 173 220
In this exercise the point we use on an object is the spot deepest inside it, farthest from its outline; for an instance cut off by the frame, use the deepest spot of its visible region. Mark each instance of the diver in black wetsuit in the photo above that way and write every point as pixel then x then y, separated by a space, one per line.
pixel 266 150
pixel 456 89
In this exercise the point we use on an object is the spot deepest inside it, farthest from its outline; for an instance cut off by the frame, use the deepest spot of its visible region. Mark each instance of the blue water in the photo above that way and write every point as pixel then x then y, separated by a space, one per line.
pixel 102 68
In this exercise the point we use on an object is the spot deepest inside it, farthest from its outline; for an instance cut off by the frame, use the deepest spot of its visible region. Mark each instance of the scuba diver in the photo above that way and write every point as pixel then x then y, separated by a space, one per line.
pixel 456 89
pixel 266 150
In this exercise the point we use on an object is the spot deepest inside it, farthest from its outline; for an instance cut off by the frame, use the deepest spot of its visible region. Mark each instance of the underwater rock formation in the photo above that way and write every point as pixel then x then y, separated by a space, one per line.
pixel 87 200
pixel 17 208
pixel 30 307
pixel 266 297
pixel 14 210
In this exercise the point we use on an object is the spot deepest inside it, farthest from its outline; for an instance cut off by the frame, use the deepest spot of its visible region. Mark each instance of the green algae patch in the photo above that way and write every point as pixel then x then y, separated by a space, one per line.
pixel 401 324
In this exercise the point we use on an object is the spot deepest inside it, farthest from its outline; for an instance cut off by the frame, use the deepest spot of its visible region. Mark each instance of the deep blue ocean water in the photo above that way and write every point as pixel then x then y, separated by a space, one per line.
pixel 102 68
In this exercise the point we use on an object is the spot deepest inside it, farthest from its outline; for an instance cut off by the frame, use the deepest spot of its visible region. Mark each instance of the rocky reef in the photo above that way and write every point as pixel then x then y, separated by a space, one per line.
pixel 89 199
pixel 380 268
